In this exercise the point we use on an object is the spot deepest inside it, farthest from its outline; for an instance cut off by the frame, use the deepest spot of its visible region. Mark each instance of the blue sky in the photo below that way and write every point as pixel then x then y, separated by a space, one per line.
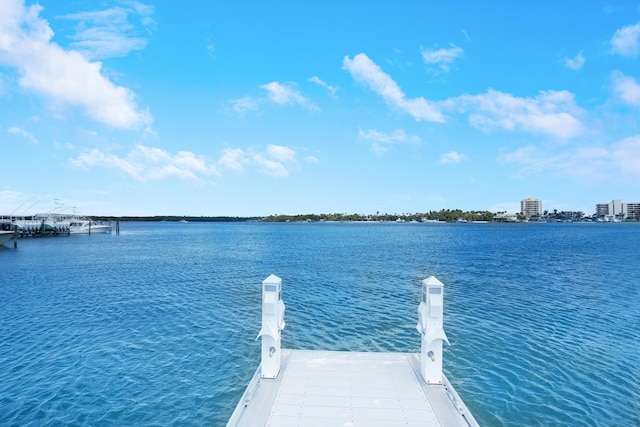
pixel 259 108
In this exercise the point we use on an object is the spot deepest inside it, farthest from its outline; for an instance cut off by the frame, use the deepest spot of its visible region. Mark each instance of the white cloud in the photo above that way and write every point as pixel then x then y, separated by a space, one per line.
pixel 381 141
pixel 552 113
pixel 63 76
pixel 626 88
pixel 329 88
pixel 148 163
pixel 285 94
pixel 365 71
pixel 452 157
pixel 108 33
pixel 23 133
pixel 442 57
pixel 270 167
pixel 151 163
pixel 625 41
pixel 281 153
pixel 278 161
pixel 575 63
pixel 234 159
pixel 96 157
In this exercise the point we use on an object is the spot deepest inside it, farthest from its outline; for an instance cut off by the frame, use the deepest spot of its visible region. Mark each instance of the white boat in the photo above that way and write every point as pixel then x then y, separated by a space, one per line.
pixel 53 222
pixel 88 226
pixel 24 226
pixel 5 236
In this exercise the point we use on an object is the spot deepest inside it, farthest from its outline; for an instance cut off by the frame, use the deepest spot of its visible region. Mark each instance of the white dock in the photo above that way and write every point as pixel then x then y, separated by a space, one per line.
pixel 334 388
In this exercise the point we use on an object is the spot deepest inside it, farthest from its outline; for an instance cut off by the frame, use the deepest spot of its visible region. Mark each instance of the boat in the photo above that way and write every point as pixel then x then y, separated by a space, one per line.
pixel 80 225
pixel 53 222
pixel 5 236
pixel 24 226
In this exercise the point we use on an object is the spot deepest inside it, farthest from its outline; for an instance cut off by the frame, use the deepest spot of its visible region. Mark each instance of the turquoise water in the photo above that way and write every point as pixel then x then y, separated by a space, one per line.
pixel 157 325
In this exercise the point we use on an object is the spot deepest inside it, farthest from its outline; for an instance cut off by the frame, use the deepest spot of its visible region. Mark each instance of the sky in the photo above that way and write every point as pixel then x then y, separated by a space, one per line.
pixel 254 108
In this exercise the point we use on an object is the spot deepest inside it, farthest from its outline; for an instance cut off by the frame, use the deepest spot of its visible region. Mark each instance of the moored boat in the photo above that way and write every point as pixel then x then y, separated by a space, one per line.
pixel 88 226
pixel 5 236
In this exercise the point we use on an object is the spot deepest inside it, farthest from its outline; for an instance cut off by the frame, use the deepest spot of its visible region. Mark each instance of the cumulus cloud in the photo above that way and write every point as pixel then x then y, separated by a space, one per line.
pixel 23 133
pixel 148 163
pixel 286 94
pixel 365 71
pixel 331 89
pixel 626 88
pixel 625 41
pixel 278 161
pixel 144 163
pixel 381 141
pixel 452 157
pixel 64 76
pixel 442 57
pixel 552 113
pixel 234 159
pixel 281 153
pixel 575 63
pixel 108 33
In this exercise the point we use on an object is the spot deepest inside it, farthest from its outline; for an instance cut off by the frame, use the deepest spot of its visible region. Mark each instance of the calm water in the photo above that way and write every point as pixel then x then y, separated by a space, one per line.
pixel 156 326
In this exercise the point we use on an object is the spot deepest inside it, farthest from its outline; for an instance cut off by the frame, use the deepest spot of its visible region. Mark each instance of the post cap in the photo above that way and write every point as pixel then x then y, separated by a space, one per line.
pixel 432 281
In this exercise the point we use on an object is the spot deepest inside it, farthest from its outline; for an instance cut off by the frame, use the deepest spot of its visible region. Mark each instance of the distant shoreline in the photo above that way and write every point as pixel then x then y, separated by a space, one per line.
pixel 442 216
pixel 420 218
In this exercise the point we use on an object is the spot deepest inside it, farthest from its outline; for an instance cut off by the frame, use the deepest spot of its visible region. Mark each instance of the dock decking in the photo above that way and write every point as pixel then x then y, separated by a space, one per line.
pixel 307 388
pixel 333 388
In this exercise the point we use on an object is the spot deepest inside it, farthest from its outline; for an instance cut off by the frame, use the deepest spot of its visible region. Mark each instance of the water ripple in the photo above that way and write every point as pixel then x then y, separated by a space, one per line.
pixel 157 326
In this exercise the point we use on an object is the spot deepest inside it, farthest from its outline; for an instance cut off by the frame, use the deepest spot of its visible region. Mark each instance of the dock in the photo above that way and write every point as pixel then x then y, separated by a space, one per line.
pixel 339 388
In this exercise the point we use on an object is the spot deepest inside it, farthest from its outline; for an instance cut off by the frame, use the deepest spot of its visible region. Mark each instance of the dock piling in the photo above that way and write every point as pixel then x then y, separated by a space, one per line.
pixel 430 327
pixel 272 325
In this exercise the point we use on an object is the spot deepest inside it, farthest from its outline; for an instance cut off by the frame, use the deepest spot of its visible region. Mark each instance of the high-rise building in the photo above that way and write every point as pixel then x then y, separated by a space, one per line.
pixel 617 210
pixel 531 207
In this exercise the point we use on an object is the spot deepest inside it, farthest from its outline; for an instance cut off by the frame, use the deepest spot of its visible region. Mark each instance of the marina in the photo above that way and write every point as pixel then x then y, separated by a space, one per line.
pixel 54 224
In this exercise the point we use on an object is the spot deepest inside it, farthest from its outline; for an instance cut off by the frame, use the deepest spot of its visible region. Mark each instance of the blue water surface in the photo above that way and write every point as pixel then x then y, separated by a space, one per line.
pixel 157 325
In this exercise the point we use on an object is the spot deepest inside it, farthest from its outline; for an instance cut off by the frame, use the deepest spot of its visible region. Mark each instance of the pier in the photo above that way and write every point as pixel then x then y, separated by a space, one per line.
pixel 312 388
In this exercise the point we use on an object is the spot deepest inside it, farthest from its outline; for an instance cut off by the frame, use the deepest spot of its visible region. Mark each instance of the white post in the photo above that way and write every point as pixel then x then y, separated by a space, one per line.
pixel 272 324
pixel 430 326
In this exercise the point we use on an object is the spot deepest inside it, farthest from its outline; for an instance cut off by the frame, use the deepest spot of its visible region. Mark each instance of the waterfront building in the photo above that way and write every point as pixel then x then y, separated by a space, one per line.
pixel 633 211
pixel 531 207
pixel 617 210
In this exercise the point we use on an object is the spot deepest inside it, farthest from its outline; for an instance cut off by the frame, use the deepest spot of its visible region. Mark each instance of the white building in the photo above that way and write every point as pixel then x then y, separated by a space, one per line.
pixel 531 207
pixel 616 210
